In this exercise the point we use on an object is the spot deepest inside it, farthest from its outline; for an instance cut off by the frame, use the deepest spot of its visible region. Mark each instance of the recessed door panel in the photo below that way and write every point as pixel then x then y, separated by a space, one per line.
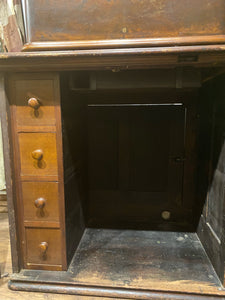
pixel 136 158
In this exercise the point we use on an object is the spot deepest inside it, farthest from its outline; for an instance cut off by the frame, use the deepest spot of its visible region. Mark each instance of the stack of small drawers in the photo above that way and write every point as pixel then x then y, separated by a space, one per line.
pixel 36 134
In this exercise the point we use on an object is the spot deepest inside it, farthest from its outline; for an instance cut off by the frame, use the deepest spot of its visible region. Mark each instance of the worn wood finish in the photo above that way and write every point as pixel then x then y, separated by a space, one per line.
pixel 106 293
pixel 75 151
pixel 41 164
pixel 211 225
pixel 198 269
pixel 36 163
pixel 125 43
pixel 48 191
pixel 134 80
pixel 56 201
pixel 115 59
pixel 39 258
pixel 10 175
pixel 73 161
pixel 115 269
pixel 122 24
pixel 43 91
pixel 6 267
pixel 120 207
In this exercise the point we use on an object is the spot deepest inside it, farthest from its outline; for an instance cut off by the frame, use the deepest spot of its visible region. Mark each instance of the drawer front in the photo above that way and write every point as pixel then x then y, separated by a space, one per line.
pixel 43 247
pixel 40 201
pixel 40 109
pixel 38 155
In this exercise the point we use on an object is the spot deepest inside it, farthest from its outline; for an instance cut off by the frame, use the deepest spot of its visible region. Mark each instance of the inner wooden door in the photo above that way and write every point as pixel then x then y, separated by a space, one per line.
pixel 135 164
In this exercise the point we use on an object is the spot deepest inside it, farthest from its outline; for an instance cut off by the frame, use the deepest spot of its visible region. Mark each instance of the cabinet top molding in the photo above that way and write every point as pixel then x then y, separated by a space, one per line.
pixel 114 59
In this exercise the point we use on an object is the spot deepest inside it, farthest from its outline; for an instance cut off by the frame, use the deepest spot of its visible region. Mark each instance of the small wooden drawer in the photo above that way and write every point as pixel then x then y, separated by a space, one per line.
pixel 38 155
pixel 40 202
pixel 43 248
pixel 35 101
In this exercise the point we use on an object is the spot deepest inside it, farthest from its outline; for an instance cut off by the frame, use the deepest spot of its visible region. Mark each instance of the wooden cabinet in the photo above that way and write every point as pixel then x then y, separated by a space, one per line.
pixel 113 127
pixel 41 91
pixel 38 154
pixel 35 100
pixel 114 24
pixel 40 201
pixel 114 188
pixel 38 169
pixel 42 248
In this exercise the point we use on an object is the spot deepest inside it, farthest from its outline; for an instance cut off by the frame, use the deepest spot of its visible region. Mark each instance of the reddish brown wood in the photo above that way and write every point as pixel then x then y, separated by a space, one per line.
pixel 105 262
pixel 34 99
pixel 42 247
pixel 115 59
pixel 61 179
pixel 70 183
pixel 35 161
pixel 123 43
pixel 31 161
pixel 35 193
pixel 122 23
pixel 51 189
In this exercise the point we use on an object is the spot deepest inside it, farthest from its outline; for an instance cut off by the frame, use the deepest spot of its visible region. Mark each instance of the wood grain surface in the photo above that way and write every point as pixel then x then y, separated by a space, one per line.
pixel 122 23
pixel 5 265
pixel 38 159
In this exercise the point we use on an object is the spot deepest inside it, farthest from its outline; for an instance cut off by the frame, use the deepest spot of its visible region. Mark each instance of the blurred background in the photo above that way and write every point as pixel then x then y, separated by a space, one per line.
pixel 10 38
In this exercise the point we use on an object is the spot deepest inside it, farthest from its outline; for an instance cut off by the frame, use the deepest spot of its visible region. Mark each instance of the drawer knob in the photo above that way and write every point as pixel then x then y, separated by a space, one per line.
pixel 37 154
pixel 43 247
pixel 40 202
pixel 34 103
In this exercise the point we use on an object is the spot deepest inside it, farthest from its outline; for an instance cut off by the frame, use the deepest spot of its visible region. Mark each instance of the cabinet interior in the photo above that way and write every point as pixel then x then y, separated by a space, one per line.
pixel 144 176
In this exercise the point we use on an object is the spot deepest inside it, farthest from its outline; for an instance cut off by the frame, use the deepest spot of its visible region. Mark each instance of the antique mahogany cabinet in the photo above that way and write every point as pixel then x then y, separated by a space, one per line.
pixel 113 116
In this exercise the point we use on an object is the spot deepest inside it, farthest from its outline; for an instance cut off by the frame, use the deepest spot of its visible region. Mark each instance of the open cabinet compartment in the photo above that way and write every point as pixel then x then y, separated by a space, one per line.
pixel 144 180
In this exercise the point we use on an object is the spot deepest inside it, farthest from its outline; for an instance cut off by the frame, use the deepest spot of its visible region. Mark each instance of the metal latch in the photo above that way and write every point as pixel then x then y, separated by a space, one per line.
pixel 178 159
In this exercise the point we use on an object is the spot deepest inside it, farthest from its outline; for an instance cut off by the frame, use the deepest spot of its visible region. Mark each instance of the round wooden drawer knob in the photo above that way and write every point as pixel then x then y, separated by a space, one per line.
pixel 40 202
pixel 43 247
pixel 37 154
pixel 34 103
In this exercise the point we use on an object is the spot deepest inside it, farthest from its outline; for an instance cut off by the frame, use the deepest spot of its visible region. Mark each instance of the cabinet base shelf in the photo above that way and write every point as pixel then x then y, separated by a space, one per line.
pixel 131 264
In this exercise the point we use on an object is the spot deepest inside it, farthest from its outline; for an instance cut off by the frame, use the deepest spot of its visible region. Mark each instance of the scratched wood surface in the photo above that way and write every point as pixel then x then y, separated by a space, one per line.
pixel 159 261
pixel 122 19
pixel 156 260
pixel 171 262
pixel 5 266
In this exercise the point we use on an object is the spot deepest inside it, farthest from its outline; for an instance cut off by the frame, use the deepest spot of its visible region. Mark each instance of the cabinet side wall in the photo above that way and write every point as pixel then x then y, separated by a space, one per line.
pixel 211 226
pixel 10 181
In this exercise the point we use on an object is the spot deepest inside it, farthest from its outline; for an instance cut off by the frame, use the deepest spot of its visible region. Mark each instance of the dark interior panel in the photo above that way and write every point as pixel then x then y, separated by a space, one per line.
pixel 135 163
pixel 145 159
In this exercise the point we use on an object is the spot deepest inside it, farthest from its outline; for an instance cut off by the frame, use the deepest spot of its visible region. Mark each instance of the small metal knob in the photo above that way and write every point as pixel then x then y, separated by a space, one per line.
pixel 34 103
pixel 166 215
pixel 179 159
pixel 40 202
pixel 43 247
pixel 37 154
